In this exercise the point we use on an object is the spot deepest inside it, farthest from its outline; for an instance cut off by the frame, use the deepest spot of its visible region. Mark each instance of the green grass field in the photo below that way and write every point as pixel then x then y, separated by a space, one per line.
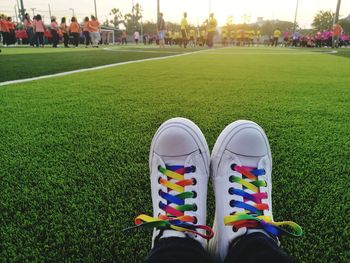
pixel 74 151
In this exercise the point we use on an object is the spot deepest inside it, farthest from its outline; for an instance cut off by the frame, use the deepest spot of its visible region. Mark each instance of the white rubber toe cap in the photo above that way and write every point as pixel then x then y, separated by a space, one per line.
pixel 175 141
pixel 248 142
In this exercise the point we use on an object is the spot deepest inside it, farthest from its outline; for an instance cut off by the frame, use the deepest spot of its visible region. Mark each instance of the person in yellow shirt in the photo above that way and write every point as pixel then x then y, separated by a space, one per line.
pixel 203 37
pixel 192 35
pixel 212 23
pixel 184 25
pixel 276 35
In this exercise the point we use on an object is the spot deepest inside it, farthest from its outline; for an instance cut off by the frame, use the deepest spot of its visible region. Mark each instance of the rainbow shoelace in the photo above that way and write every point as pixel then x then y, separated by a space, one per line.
pixel 175 207
pixel 253 216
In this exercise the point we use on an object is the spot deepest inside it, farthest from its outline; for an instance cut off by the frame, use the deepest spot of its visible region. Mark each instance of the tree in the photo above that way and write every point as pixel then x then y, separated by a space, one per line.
pixel 345 25
pixel 117 17
pixel 323 20
pixel 133 20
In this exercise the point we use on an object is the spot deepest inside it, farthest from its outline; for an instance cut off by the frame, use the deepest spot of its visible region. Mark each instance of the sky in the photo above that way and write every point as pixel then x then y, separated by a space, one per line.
pixel 197 10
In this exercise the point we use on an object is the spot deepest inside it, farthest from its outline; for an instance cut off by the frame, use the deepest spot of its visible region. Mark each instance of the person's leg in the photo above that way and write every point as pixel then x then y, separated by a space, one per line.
pixel 41 38
pixel 244 229
pixel 176 249
pixel 179 167
pixel 256 247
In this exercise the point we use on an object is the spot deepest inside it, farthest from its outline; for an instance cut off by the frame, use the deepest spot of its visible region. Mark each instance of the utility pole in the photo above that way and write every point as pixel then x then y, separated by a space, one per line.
pixel 209 7
pixel 16 14
pixel 72 11
pixel 295 17
pixel 95 9
pixel 336 20
pixel 336 17
pixel 33 9
pixel 21 11
pixel 50 11
pixel 158 12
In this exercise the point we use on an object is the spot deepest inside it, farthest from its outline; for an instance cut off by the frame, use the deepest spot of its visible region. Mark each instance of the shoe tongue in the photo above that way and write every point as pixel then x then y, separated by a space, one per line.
pixel 249 161
pixel 175 161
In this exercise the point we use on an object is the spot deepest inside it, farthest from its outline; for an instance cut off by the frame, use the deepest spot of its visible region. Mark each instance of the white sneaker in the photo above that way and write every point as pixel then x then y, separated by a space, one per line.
pixel 241 166
pixel 179 156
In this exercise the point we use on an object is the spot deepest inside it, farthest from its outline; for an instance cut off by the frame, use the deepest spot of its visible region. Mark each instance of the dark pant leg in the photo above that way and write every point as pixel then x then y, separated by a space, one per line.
pixel 175 250
pixel 41 38
pixel 184 37
pixel 65 39
pixel 76 39
pixel 256 247
pixel 54 38
pixel 87 38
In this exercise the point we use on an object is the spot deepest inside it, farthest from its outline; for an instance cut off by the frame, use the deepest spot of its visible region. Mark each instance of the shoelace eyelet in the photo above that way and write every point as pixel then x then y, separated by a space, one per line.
pixel 195 220
pixel 159 179
pixel 195 208
pixel 230 190
pixel 159 166
pixel 230 178
pixel 194 181
pixel 194 194
pixel 233 166
pixel 193 168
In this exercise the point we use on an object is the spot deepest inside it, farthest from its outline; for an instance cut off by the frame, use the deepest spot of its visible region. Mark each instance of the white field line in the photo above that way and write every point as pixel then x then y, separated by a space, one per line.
pixel 11 82
pixel 273 53
pixel 141 51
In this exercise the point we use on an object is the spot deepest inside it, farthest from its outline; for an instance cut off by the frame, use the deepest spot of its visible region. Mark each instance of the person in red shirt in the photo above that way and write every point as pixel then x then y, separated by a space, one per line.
pixel 86 31
pixel 95 31
pixel 28 25
pixel 12 31
pixel 337 32
pixel 64 29
pixel 39 29
pixel 5 30
pixel 54 32
pixel 74 29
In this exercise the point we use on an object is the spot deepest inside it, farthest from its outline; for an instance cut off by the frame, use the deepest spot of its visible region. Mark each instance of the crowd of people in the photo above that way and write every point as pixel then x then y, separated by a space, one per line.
pixel 36 34
pixel 335 37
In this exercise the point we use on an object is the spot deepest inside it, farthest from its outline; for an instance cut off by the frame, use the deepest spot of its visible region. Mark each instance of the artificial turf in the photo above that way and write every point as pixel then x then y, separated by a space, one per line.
pixel 74 151
pixel 19 63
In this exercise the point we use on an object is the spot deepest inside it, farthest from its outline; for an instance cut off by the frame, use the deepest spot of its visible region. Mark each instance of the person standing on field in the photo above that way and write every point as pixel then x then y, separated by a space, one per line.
pixel 212 24
pixel 276 35
pixel 136 37
pixel 161 31
pixel 64 30
pixel 39 29
pixel 86 31
pixel 74 29
pixel 95 31
pixel 28 25
pixel 184 25
pixel 54 32
pixel 337 32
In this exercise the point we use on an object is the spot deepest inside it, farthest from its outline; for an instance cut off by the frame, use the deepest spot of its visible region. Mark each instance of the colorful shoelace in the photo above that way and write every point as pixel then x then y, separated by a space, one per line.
pixel 175 208
pixel 253 217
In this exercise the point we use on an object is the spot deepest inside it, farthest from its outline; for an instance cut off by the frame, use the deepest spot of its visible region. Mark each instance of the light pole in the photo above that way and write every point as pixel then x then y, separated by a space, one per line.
pixel 95 9
pixel 33 9
pixel 158 12
pixel 209 7
pixel 336 17
pixel 72 11
pixel 295 17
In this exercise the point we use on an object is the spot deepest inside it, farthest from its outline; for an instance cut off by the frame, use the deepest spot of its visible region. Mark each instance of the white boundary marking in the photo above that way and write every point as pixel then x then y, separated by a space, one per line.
pixel 141 51
pixel 11 82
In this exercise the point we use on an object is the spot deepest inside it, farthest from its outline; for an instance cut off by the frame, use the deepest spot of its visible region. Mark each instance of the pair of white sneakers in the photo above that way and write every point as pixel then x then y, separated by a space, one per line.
pixel 240 169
